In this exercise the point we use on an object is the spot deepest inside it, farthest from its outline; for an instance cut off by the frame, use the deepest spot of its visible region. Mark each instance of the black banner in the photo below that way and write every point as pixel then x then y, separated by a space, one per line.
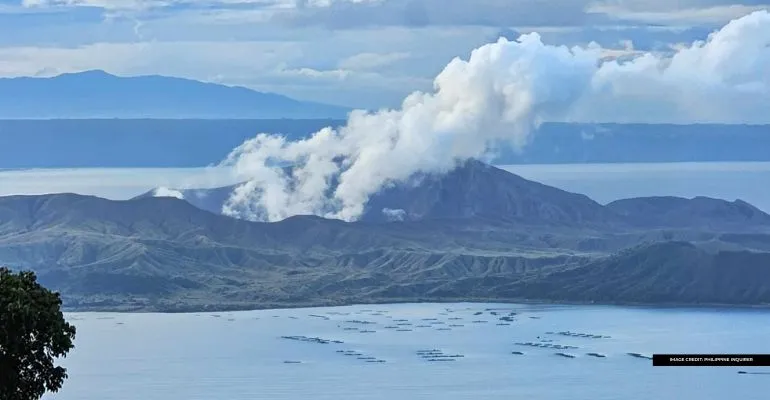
pixel 711 360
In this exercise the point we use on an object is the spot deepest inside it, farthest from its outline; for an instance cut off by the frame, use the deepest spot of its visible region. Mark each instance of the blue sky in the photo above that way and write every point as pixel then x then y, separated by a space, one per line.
pixel 364 53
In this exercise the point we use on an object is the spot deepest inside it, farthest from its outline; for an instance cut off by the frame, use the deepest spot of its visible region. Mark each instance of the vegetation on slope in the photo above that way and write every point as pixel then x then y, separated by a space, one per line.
pixel 506 239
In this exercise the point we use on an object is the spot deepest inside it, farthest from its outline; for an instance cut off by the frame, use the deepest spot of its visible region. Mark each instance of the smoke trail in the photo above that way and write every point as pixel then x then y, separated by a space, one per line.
pixel 167 192
pixel 503 91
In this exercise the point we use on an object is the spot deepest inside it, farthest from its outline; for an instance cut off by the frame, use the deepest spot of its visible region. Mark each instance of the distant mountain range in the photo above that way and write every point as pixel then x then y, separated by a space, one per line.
pixel 477 233
pixel 97 94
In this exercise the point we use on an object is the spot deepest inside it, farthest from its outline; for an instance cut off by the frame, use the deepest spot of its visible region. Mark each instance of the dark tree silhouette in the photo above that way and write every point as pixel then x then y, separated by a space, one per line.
pixel 33 333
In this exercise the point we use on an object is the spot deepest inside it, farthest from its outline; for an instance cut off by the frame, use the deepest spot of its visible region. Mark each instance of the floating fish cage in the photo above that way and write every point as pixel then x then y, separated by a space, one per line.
pixel 580 335
pixel 356 321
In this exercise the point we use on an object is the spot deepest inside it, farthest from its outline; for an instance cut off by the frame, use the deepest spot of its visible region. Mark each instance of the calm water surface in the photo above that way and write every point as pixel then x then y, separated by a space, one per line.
pixel 242 355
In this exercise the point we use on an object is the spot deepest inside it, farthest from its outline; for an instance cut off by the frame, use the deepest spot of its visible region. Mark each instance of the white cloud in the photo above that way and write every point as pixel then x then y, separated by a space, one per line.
pixel 152 4
pixel 187 59
pixel 680 17
pixel 106 4
pixel 722 80
pixel 498 13
pixel 368 61
pixel 386 49
pixel 26 61
pixel 334 75
pixel 292 66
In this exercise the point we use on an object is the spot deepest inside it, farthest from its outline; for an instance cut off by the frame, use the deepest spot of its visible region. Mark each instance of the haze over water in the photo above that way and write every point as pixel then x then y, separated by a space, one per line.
pixel 242 355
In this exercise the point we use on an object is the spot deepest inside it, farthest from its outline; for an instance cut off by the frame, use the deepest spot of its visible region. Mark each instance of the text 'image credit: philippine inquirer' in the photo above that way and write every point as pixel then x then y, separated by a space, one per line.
pixel 712 360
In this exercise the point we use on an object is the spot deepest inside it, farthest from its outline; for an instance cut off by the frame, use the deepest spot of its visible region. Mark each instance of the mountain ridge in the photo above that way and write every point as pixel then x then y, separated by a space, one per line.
pixel 98 94
pixel 165 254
pixel 662 210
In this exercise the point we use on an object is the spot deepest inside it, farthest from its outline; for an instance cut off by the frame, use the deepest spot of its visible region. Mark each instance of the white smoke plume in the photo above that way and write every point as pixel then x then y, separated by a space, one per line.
pixel 502 92
pixel 394 214
pixel 167 192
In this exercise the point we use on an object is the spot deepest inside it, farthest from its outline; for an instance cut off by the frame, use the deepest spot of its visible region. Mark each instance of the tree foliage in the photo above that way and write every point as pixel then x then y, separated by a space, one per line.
pixel 33 333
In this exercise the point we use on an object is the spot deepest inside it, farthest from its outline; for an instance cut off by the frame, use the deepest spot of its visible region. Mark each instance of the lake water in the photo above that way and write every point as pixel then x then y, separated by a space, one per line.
pixel 242 355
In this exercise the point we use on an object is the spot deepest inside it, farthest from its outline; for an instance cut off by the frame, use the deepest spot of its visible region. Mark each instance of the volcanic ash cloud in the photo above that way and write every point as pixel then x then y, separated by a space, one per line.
pixel 503 91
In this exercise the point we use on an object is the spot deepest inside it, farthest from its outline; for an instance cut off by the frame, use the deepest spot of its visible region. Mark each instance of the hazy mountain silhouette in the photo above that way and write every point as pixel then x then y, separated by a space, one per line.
pixel 97 94
pixel 698 211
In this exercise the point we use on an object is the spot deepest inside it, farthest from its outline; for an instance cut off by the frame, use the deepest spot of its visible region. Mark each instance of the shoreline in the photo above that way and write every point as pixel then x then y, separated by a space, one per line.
pixel 220 308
